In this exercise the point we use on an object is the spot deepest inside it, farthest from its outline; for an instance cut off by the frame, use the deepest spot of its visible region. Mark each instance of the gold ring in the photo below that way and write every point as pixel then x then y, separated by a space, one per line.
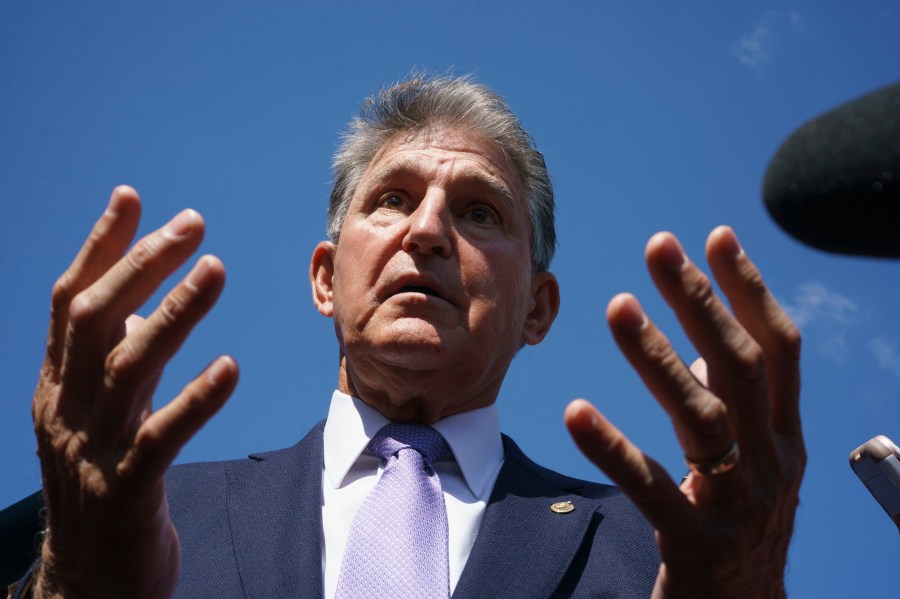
pixel 719 466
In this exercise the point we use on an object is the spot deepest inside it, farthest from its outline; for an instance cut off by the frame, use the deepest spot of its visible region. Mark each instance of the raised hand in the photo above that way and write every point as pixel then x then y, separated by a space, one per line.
pixel 725 531
pixel 103 451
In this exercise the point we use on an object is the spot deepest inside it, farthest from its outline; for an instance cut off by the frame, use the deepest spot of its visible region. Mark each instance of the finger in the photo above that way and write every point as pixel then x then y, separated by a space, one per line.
pixel 640 477
pixel 133 323
pixel 96 314
pixel 107 427
pixel 698 369
pixel 736 365
pixel 135 364
pixel 106 243
pixel 167 430
pixel 762 316
pixel 700 418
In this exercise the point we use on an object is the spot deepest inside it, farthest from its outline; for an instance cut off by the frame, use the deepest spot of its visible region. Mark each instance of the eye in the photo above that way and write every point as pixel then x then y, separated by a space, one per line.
pixel 391 201
pixel 481 215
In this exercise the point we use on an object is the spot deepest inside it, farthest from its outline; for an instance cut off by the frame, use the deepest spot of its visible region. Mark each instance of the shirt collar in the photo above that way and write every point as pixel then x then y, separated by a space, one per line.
pixel 473 436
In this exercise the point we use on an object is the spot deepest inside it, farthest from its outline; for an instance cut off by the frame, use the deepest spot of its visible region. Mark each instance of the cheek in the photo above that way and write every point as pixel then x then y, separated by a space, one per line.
pixel 501 294
pixel 355 286
pixel 357 261
pixel 349 295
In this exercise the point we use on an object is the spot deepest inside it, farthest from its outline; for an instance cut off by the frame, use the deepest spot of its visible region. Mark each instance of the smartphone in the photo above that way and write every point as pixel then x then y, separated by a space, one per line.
pixel 877 464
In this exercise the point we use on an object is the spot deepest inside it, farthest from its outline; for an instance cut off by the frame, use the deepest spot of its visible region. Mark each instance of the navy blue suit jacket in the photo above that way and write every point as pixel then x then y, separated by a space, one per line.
pixel 252 529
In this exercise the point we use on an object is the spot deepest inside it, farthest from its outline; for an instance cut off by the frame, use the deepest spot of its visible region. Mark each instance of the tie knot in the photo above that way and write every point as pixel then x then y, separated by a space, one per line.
pixel 424 439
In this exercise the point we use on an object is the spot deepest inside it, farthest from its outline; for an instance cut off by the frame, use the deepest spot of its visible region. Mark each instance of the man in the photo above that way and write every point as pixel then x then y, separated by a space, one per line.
pixel 441 227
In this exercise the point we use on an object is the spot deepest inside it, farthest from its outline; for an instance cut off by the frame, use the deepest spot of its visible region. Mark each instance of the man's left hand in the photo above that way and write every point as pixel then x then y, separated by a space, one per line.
pixel 725 531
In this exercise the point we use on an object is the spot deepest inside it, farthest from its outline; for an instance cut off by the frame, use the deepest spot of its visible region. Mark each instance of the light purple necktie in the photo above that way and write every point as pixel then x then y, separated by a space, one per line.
pixel 398 541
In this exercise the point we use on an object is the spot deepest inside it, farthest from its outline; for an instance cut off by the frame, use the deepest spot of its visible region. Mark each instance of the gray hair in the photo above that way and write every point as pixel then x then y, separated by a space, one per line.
pixel 421 101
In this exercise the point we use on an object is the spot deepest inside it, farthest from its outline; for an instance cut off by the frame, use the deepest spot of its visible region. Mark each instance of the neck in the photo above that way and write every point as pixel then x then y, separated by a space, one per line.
pixel 414 396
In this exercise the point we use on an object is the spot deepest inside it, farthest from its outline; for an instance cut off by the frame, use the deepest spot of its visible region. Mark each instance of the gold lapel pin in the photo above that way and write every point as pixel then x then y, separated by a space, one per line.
pixel 562 507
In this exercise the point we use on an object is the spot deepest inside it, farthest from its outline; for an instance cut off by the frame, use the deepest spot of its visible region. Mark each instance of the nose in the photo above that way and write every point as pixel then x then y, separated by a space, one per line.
pixel 428 230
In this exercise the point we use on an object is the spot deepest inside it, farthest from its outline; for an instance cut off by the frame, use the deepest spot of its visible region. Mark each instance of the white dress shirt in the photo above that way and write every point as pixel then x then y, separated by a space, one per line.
pixel 350 472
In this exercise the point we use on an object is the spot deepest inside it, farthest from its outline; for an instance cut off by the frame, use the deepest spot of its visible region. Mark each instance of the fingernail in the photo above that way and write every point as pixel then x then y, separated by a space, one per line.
pixel 199 275
pixel 181 225
pixel 631 316
pixel 730 243
pixel 112 208
pixel 219 370
pixel 671 256
pixel 115 199
pixel 582 411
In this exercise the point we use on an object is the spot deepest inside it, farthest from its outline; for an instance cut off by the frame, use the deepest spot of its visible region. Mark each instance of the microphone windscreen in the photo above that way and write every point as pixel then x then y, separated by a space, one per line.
pixel 834 183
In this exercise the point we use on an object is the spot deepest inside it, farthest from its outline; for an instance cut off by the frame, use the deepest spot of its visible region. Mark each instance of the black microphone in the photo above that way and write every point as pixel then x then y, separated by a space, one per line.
pixel 834 183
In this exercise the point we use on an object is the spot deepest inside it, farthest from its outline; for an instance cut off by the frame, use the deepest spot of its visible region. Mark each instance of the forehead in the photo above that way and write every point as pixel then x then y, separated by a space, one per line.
pixel 447 152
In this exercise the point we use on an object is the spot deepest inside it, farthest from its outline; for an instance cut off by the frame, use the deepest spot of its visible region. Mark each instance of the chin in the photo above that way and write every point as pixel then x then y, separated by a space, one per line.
pixel 414 353
pixel 414 335
pixel 420 354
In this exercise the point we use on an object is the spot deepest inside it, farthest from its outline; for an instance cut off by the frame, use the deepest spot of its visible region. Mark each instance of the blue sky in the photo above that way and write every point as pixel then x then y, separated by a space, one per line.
pixel 652 116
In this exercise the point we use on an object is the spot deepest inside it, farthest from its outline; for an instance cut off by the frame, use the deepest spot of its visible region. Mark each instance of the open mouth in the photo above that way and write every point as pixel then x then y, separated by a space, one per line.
pixel 419 284
pixel 419 289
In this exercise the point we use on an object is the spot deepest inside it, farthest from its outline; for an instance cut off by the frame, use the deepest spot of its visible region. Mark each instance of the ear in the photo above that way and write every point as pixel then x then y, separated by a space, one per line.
pixel 544 307
pixel 321 277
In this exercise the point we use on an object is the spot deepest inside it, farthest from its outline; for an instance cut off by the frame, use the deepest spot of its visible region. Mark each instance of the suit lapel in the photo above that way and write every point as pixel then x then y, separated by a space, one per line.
pixel 275 510
pixel 524 548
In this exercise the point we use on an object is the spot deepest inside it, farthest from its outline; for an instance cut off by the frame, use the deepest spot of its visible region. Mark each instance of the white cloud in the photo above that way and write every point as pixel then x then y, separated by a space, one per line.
pixel 834 346
pixel 886 354
pixel 756 48
pixel 815 302
pixel 830 312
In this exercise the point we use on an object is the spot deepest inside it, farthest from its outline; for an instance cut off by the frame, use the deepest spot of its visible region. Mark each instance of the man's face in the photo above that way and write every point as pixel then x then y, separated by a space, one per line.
pixel 431 284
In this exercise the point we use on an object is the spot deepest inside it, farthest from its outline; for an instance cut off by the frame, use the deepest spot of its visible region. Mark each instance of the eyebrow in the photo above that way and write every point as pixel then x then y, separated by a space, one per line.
pixel 407 166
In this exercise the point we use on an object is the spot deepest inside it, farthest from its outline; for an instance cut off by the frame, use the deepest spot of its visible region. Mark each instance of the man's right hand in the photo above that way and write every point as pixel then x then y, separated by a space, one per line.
pixel 103 451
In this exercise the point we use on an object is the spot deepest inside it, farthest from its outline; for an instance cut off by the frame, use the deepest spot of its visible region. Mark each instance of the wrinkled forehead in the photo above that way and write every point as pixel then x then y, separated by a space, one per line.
pixel 437 146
